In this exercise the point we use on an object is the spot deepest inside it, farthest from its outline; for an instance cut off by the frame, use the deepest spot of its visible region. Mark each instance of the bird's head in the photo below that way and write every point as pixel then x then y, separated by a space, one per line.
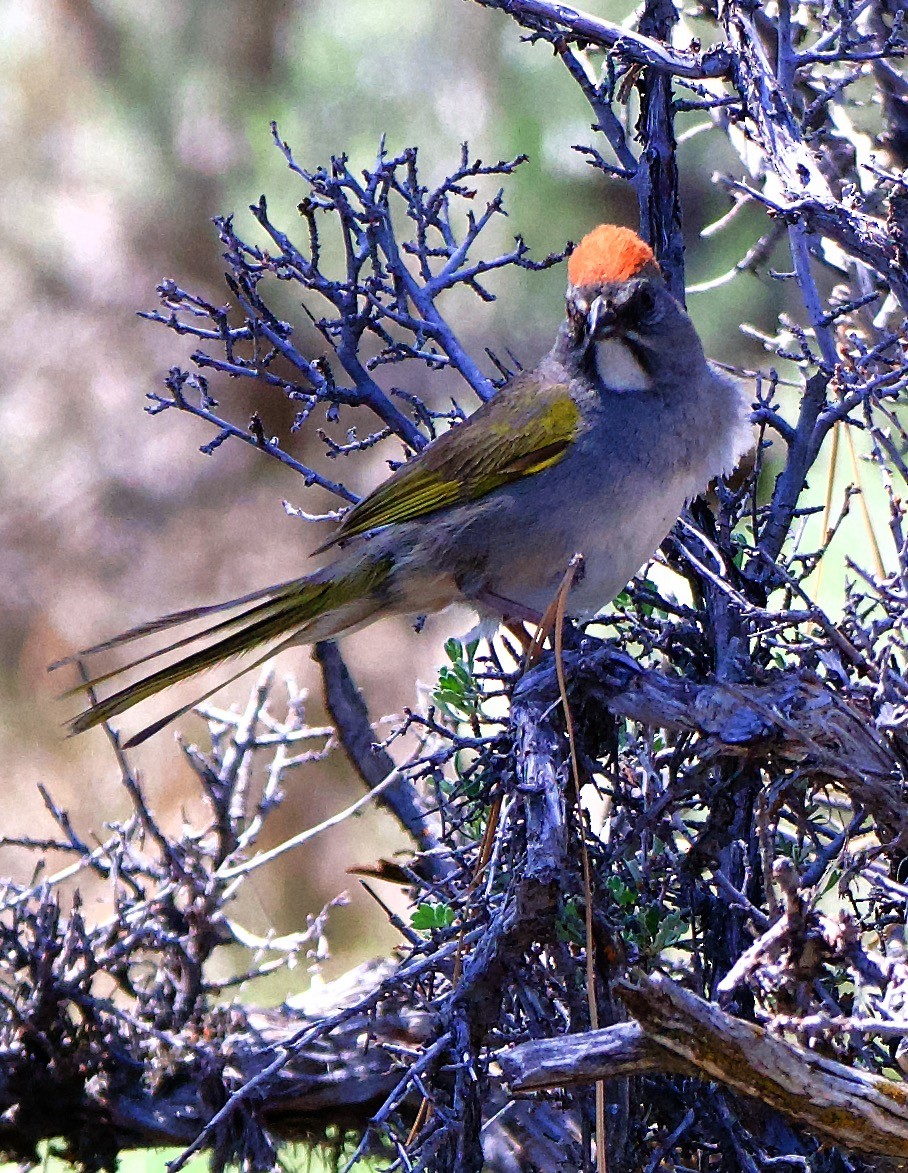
pixel 620 313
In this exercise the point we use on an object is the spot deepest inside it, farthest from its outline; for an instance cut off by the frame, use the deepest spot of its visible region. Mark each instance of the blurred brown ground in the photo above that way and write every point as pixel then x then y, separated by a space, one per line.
pixel 124 128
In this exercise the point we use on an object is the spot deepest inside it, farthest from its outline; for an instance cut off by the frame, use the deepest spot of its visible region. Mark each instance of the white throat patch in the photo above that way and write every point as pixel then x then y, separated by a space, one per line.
pixel 618 368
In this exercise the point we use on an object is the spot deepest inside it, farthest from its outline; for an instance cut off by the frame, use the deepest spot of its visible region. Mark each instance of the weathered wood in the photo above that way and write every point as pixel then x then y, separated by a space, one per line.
pixel 792 715
pixel 570 22
pixel 569 1060
pixel 677 1031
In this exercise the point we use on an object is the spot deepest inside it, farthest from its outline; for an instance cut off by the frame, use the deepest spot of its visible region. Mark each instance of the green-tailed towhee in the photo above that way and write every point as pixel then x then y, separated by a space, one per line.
pixel 594 452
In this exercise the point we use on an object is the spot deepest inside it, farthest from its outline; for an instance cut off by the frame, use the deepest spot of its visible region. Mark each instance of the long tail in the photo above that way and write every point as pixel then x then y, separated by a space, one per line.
pixel 321 605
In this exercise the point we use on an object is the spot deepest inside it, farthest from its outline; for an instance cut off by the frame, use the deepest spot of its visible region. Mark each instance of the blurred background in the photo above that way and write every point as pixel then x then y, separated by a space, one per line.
pixel 124 128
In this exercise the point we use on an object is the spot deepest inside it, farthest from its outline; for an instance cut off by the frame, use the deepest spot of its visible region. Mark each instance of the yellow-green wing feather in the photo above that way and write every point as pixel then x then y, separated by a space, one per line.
pixel 526 428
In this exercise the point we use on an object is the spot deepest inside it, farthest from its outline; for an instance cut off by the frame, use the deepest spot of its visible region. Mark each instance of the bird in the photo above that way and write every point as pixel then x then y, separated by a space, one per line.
pixel 594 452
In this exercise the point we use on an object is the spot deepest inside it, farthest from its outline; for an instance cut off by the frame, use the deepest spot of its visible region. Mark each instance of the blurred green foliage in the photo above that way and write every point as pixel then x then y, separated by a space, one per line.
pixel 294 1159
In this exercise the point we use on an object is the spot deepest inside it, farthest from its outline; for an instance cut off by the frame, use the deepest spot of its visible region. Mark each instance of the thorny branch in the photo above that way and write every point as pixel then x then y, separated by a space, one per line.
pixel 742 752
pixel 383 308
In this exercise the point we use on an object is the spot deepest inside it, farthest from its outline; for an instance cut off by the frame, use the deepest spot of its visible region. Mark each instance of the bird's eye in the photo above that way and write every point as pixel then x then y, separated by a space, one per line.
pixel 645 303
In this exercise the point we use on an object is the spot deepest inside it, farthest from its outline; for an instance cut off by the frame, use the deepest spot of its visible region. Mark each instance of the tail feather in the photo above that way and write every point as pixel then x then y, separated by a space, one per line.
pixel 156 726
pixel 344 595
pixel 164 622
pixel 188 616
pixel 261 631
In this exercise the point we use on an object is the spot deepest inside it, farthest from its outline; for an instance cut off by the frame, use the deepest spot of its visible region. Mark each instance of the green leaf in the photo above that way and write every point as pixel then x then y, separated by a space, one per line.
pixel 623 895
pixel 571 926
pixel 427 917
pixel 456 692
pixel 671 930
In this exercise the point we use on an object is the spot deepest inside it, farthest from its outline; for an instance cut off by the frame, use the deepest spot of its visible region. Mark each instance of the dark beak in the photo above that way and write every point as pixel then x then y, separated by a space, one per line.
pixel 602 318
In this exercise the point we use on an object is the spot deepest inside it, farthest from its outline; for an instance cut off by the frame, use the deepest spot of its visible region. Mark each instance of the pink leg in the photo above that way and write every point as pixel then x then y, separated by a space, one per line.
pixel 507 608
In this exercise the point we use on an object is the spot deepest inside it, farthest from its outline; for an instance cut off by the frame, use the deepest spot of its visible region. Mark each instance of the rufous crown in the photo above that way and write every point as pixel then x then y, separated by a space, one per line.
pixel 607 254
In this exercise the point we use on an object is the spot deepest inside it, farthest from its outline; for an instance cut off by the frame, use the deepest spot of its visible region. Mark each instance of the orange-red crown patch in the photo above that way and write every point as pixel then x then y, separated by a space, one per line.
pixel 608 253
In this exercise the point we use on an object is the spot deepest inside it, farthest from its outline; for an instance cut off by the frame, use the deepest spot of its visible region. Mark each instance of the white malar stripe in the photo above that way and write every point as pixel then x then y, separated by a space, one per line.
pixel 618 368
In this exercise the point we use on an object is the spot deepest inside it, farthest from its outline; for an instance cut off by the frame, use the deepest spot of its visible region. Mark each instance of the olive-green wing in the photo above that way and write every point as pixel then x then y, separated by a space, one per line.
pixel 527 427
